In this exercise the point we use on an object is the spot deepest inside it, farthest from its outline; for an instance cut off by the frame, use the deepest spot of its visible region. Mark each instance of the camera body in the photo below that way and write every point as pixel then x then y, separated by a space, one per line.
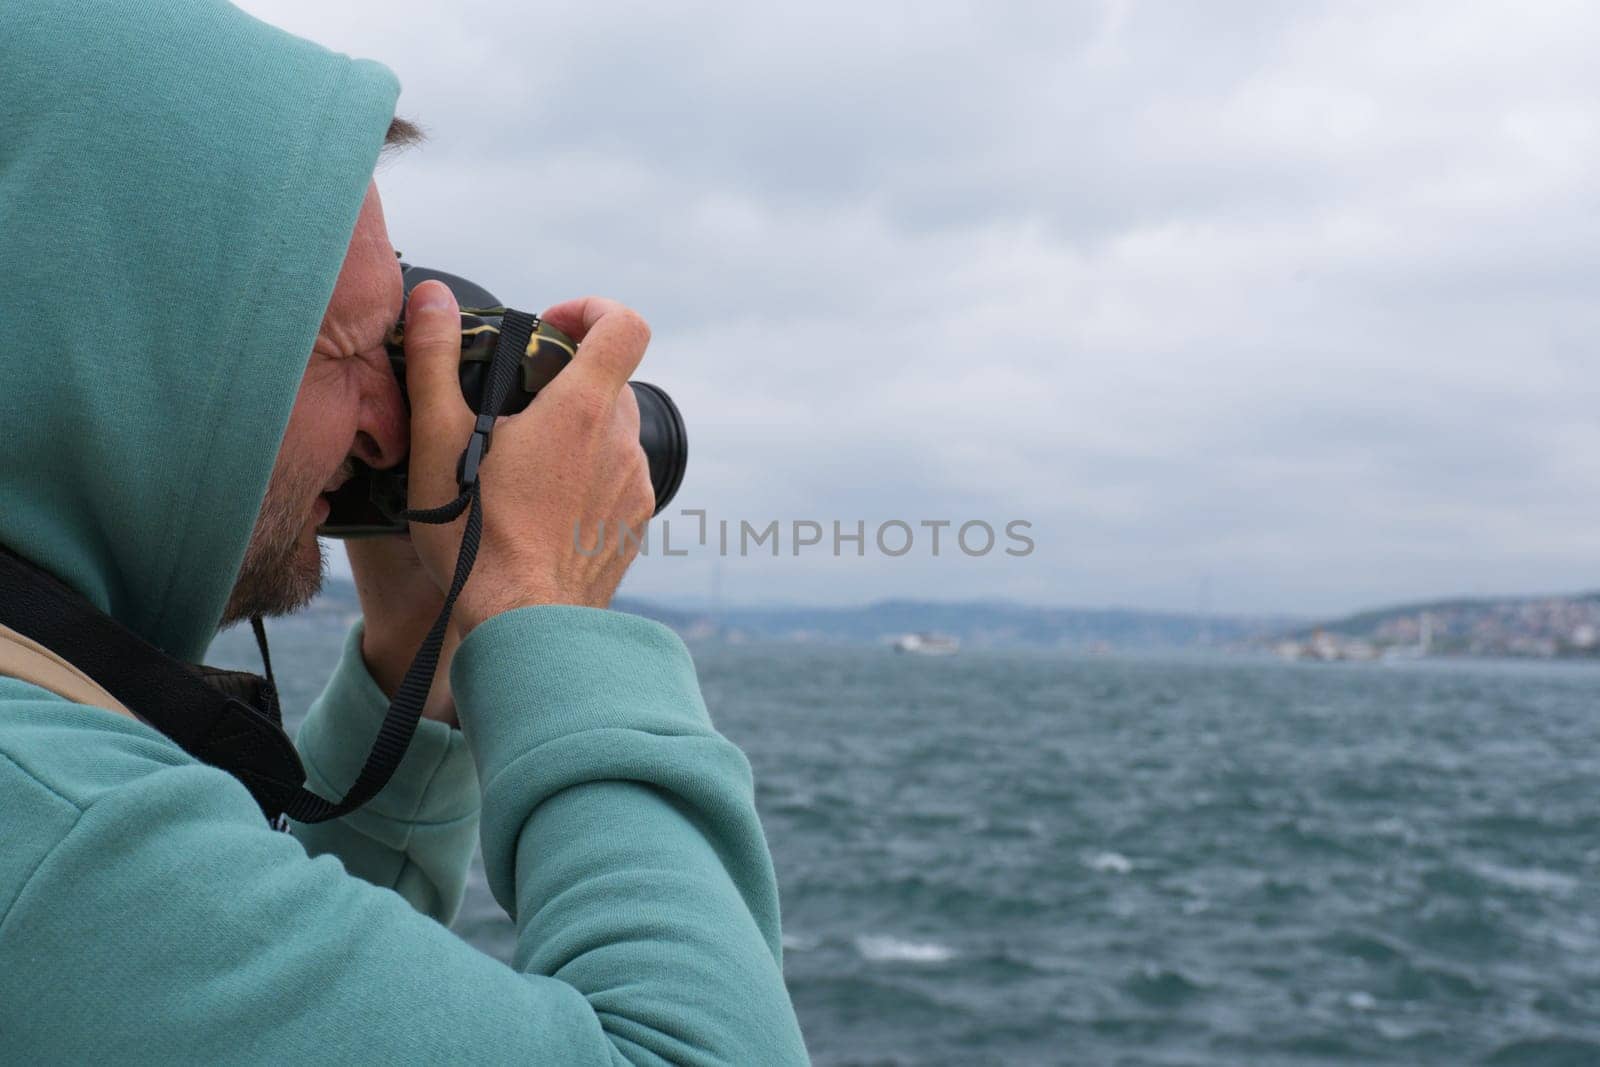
pixel 371 502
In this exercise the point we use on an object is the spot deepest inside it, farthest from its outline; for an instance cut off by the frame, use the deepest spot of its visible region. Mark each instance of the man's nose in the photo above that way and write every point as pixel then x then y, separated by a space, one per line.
pixel 383 436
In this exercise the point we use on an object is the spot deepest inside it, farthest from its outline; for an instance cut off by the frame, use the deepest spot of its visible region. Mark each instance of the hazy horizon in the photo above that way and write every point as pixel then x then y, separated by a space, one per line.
pixel 702 603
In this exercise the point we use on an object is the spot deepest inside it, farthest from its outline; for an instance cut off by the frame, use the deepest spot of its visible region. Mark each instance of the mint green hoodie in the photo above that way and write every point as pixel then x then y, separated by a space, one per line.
pixel 178 184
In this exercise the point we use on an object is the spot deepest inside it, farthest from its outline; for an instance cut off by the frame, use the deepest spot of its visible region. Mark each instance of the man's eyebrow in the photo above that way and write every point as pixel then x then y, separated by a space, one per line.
pixel 371 330
pixel 379 335
pixel 386 323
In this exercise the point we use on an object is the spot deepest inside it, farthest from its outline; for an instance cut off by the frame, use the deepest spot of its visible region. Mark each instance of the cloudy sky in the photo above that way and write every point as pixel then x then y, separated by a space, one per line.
pixel 1271 306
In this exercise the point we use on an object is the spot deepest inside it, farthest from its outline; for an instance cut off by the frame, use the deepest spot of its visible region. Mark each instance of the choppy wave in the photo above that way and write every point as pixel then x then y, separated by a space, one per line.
pixel 881 948
pixel 1109 863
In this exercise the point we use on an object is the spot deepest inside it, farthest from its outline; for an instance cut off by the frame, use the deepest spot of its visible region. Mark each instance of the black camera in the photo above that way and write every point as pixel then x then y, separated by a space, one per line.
pixel 372 501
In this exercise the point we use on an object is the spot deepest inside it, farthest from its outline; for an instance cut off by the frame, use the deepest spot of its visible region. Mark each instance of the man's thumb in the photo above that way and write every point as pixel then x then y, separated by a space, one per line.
pixel 433 353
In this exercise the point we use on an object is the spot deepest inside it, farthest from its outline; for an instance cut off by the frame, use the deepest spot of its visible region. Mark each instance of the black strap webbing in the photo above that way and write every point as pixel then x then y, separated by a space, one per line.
pixel 228 719
pixel 260 629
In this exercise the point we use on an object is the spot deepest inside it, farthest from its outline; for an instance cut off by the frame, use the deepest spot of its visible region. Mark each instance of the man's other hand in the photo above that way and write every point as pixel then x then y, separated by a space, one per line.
pixel 559 473
pixel 400 601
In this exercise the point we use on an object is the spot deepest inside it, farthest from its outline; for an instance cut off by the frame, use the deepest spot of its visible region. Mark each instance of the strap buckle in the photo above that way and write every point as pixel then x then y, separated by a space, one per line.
pixel 477 448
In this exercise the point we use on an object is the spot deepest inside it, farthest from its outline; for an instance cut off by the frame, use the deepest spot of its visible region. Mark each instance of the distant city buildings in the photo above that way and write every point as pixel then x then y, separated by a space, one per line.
pixel 1544 628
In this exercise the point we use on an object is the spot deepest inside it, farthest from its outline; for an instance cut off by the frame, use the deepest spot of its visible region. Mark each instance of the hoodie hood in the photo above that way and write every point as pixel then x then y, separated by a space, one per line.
pixel 178 186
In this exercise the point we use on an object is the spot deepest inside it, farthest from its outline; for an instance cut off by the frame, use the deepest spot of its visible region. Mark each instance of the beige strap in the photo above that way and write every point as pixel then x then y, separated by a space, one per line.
pixel 24 658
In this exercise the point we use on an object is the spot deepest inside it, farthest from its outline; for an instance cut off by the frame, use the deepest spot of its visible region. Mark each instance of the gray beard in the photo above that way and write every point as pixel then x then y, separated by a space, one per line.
pixel 279 575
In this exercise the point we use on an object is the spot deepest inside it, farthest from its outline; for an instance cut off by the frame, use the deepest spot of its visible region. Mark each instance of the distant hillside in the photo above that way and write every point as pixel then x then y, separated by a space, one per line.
pixel 1543 626
pixel 976 623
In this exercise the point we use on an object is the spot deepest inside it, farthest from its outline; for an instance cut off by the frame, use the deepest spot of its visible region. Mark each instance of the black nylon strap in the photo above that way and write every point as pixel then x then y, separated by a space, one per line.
pixel 228 719
pixel 260 629
pixel 405 710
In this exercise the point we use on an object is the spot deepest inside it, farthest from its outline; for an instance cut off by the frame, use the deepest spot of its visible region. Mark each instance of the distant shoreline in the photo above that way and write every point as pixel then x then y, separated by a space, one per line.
pixel 1563 628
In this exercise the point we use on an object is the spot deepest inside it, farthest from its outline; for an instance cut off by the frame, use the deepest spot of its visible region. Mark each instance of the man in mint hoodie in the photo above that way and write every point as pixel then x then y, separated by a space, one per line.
pixel 195 280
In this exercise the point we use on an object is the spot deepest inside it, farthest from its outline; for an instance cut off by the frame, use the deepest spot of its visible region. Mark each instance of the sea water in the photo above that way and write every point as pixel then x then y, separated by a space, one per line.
pixel 1028 857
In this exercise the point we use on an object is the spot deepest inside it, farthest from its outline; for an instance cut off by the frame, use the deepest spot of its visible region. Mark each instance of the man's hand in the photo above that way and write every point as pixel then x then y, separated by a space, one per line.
pixel 559 473
pixel 400 602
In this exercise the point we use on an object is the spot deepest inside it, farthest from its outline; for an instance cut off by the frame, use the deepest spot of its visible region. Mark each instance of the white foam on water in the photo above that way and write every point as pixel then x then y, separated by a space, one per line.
pixel 1529 879
pixel 884 949
pixel 1110 863
pixel 798 943
pixel 1395 827
pixel 1361 1001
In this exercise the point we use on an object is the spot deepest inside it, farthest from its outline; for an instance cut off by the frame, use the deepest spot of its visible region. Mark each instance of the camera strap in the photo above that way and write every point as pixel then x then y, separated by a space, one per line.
pixel 228 719
pixel 405 710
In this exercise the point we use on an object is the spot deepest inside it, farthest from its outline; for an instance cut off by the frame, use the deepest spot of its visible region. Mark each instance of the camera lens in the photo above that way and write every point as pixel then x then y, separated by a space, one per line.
pixel 665 441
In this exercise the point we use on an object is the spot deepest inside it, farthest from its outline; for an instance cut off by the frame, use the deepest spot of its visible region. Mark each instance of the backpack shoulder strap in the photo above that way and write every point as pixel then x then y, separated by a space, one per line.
pixel 24 658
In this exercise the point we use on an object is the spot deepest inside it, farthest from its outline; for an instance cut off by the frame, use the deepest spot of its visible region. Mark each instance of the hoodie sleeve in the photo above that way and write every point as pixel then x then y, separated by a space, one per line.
pixel 417 835
pixel 619 830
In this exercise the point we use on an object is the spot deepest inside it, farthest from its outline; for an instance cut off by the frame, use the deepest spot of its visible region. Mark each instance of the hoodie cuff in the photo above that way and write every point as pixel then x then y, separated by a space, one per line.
pixel 435 782
pixel 534 675
pixel 555 696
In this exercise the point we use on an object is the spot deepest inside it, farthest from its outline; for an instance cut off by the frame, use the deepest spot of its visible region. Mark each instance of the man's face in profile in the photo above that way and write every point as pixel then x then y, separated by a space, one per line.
pixel 348 407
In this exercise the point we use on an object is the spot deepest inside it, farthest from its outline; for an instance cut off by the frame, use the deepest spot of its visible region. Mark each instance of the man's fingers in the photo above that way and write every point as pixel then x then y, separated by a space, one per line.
pixel 612 341
pixel 575 317
pixel 433 356
pixel 627 409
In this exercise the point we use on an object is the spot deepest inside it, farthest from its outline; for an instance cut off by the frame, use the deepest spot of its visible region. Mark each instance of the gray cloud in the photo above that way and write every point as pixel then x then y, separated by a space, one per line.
pixel 1293 299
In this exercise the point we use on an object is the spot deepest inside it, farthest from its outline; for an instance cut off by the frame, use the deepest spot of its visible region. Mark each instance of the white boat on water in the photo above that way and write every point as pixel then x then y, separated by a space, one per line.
pixel 927 644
